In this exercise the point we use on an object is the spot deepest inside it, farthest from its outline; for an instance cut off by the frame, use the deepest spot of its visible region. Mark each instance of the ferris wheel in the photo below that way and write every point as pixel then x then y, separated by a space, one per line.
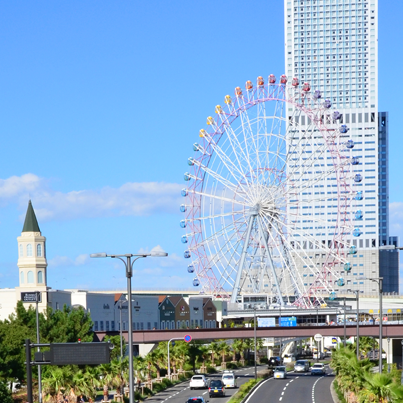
pixel 270 202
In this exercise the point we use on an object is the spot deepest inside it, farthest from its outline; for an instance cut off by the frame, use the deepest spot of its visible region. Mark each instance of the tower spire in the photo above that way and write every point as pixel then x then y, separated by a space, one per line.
pixel 31 223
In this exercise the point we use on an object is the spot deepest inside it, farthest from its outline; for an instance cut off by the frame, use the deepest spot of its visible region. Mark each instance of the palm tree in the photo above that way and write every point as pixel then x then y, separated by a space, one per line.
pixel 159 359
pixel 378 387
pixel 237 348
pixel 224 349
pixel 204 354
pixel 56 381
pixel 80 384
pixel 181 350
pixel 214 349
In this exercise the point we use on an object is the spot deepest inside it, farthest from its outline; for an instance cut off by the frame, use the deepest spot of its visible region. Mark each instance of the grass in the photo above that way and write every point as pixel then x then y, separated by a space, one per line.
pixel 244 390
pixel 339 392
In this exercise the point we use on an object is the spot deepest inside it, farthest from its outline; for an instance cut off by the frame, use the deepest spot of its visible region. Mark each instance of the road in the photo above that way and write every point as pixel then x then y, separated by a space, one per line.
pixel 297 388
pixel 180 393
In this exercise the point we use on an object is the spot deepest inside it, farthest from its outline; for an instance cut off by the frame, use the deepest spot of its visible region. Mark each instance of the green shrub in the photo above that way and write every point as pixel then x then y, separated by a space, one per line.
pixel 147 392
pixel 158 387
pixel 167 383
pixel 264 360
pixel 231 365
pixel 211 370
pixel 5 394
pixel 244 390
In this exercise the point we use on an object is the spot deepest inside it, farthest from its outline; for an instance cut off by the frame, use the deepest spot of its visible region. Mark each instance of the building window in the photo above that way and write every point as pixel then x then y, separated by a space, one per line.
pixel 21 251
pixel 96 326
pixel 155 325
pixel 206 324
pixel 29 250
pixel 112 325
pixel 148 325
pixel 57 306
pixel 22 277
pixel 107 325
pixel 163 325
pixel 30 277
pixel 172 324
pixel 178 324
pixel 101 322
pixel 39 250
pixel 40 276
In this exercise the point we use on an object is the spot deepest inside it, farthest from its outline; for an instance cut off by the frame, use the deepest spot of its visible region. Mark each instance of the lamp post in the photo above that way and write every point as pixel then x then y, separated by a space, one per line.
pixel 169 361
pixel 120 328
pixel 345 330
pixel 379 280
pixel 357 294
pixel 254 335
pixel 37 298
pixel 387 358
pixel 156 252
pixel 401 377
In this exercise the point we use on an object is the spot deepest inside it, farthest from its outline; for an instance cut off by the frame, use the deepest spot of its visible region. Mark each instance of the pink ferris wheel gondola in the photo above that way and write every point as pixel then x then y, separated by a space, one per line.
pixel 257 170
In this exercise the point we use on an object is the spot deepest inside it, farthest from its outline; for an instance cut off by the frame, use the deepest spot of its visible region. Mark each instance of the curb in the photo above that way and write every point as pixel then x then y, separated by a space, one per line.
pixel 333 392
pixel 252 391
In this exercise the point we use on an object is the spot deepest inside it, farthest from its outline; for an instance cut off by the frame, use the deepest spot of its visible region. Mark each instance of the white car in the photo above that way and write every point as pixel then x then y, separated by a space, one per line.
pixel 198 381
pixel 318 369
pixel 280 373
pixel 229 379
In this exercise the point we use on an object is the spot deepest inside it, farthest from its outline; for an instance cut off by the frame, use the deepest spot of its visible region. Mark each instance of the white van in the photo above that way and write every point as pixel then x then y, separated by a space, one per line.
pixel 229 379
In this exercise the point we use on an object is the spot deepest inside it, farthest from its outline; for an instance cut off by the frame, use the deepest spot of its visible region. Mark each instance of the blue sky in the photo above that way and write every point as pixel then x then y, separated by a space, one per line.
pixel 100 103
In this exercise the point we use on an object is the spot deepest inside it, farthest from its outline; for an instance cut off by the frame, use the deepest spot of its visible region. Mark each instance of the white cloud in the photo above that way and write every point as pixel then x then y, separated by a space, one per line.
pixel 130 199
pixel 62 261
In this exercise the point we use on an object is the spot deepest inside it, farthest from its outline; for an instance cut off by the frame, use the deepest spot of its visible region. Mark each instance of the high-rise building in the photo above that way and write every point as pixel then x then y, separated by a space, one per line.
pixel 333 45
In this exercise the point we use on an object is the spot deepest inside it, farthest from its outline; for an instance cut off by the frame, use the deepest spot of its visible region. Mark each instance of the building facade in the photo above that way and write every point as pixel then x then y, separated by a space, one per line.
pixel 333 45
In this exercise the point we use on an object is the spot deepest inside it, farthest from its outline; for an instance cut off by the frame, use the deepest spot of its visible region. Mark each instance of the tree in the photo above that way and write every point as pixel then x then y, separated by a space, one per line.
pixel 115 340
pixel 5 394
pixel 224 349
pixel 237 348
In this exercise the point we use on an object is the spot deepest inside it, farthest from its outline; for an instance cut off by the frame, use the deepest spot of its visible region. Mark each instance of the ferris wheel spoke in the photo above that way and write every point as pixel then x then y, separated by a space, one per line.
pixel 221 198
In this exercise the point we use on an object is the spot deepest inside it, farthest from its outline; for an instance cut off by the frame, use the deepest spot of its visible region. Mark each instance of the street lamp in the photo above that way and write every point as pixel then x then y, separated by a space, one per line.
pixel 254 333
pixel 155 252
pixel 379 281
pixel 345 335
pixel 357 294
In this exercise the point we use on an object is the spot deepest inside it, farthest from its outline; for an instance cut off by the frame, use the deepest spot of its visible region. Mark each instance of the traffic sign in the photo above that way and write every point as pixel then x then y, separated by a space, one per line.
pixel 318 337
pixel 188 338
pixel 31 296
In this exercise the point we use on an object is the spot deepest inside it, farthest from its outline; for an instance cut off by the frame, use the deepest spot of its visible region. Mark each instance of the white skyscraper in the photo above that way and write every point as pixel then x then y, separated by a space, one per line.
pixel 333 45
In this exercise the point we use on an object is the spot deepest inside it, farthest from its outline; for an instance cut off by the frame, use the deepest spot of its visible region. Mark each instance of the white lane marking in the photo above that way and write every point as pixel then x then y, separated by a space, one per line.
pixel 204 393
pixel 287 384
pixel 313 389
pixel 282 393
pixel 247 400
pixel 280 399
pixel 285 387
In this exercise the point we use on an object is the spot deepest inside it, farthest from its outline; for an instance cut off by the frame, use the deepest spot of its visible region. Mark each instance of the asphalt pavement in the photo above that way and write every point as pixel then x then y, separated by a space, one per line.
pixel 299 387
pixel 181 392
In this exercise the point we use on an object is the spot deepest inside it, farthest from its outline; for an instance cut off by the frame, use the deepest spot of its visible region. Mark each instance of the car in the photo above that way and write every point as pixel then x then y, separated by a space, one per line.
pixel 196 399
pixel 301 366
pixel 274 362
pixel 280 372
pixel 198 381
pixel 289 358
pixel 229 379
pixel 216 388
pixel 318 369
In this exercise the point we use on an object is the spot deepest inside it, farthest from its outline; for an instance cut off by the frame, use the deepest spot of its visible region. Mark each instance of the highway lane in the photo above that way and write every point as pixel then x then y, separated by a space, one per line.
pixel 297 388
pixel 181 392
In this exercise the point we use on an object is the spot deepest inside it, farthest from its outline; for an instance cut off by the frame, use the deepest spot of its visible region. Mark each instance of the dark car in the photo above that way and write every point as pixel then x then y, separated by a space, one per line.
pixel 216 388
pixel 274 362
pixel 197 399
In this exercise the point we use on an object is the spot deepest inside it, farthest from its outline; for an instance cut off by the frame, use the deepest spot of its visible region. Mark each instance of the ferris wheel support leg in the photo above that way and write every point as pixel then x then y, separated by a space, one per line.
pixel 266 245
pixel 235 289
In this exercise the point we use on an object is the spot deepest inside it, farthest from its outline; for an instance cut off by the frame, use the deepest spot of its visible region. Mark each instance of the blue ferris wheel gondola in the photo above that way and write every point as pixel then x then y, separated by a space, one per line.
pixel 332 296
pixel 344 129
pixel 187 176
pixel 182 208
pixel 358 215
pixel 191 269
pixel 350 143
pixel 358 195
pixel 191 161
pixel 336 115
pixel 358 178
pixel 184 192
pixel 184 239
pixel 196 147
pixel 355 161
pixel 347 266
pixel 186 254
pixel 357 232
pixel 183 223
pixel 352 250
pixel 317 94
pixel 340 282
pixel 327 104
pixel 196 282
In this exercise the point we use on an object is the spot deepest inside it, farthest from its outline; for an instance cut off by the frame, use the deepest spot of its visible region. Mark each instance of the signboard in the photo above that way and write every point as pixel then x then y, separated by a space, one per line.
pixel 80 353
pixel 266 322
pixel 334 340
pixel 31 296
pixel 317 337
pixel 188 338
pixel 288 321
